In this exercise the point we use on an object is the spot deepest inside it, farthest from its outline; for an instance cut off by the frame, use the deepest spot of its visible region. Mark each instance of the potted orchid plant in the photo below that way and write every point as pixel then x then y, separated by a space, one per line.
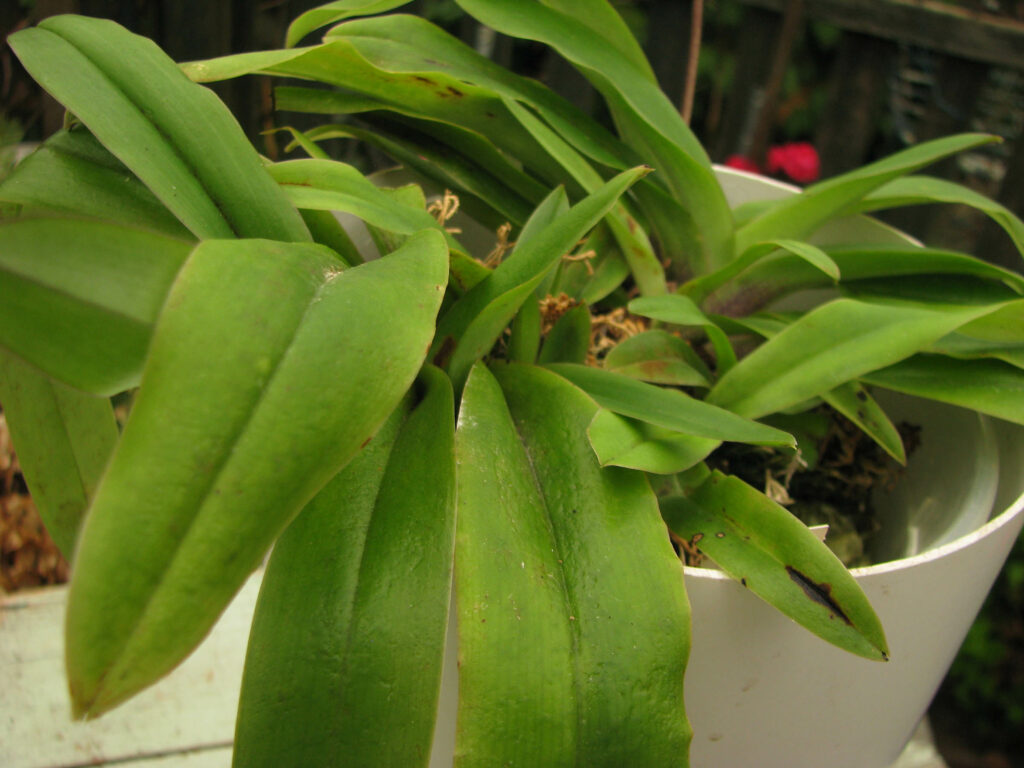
pixel 542 421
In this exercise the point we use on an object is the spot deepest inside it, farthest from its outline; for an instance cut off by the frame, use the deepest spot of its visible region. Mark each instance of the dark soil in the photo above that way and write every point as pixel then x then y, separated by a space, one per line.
pixel 829 483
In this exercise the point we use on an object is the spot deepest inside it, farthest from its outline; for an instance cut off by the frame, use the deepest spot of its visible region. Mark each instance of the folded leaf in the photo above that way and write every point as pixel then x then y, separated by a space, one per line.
pixel 667 408
pixel 71 173
pixel 622 442
pixel 682 310
pixel 783 273
pixel 799 215
pixel 659 357
pixel 327 185
pixel 178 138
pixel 348 638
pixel 831 345
pixel 853 401
pixel 987 386
pixel 329 13
pixel 915 190
pixel 560 663
pixel 776 557
pixel 568 341
pixel 79 298
pixel 63 438
pixel 475 321
pixel 646 118
pixel 268 370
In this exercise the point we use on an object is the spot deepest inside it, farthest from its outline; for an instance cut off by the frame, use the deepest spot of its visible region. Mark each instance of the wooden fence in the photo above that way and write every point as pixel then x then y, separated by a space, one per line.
pixel 893 71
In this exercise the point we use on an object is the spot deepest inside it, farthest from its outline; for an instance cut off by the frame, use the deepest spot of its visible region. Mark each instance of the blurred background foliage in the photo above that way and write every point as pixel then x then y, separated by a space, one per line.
pixel 847 80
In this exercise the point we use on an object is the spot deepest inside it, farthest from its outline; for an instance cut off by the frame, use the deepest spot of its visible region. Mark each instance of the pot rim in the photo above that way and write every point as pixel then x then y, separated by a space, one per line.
pixel 990 528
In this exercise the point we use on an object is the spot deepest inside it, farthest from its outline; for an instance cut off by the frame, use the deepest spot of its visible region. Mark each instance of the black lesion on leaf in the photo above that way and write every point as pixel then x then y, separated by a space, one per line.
pixel 819 593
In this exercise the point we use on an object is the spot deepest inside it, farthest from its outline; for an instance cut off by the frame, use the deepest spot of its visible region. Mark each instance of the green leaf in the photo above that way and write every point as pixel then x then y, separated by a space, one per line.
pixel 524 337
pixel 699 288
pixel 648 121
pixel 917 190
pixel 63 438
pixel 668 408
pixel 411 44
pixel 568 341
pixel 72 174
pixel 328 185
pixel 987 386
pixel 634 444
pixel 486 196
pixel 783 273
pixel 659 357
pixel 681 310
pixel 348 638
pixel 831 345
pixel 853 401
pixel 799 215
pixel 636 247
pixel 776 557
pixel 329 13
pixel 966 347
pixel 493 302
pixel 299 364
pixel 178 138
pixel 79 298
pixel 326 230
pixel 539 555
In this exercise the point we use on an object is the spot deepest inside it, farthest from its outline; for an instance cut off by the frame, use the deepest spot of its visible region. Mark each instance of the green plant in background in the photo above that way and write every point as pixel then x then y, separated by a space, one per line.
pixel 984 690
pixel 383 422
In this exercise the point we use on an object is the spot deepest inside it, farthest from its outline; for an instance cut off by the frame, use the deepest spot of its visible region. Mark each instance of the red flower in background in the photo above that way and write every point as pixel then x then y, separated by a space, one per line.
pixel 798 160
pixel 741 163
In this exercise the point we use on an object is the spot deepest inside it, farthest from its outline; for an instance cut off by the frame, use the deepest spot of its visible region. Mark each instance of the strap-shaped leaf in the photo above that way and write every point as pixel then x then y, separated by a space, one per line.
pixel 484 195
pixel 699 288
pixel 474 322
pixel 71 173
pixel 178 138
pixel 561 663
pixel 916 190
pixel 831 345
pixel 799 215
pixel 346 647
pixel 667 408
pixel 966 347
pixel 327 185
pixel 987 386
pixel 633 241
pixel 659 357
pixel 568 341
pixel 855 403
pixel 330 13
pixel 408 42
pixel 682 310
pixel 776 557
pixel 268 369
pixel 646 118
pixel 63 437
pixel 622 442
pixel 78 298
pixel 783 273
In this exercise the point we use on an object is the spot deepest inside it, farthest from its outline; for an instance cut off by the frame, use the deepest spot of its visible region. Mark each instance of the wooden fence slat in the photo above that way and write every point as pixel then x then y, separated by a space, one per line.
pixel 931 24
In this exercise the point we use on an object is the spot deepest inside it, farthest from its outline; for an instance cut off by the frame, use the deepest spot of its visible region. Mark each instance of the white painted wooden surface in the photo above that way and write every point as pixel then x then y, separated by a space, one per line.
pixel 185 721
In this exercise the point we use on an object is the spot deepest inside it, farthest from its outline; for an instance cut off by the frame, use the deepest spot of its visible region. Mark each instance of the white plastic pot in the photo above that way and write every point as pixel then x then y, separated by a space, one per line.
pixel 761 691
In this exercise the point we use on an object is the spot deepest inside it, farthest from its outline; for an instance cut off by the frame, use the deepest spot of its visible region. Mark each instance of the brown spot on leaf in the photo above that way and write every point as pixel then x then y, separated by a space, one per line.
pixel 819 593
